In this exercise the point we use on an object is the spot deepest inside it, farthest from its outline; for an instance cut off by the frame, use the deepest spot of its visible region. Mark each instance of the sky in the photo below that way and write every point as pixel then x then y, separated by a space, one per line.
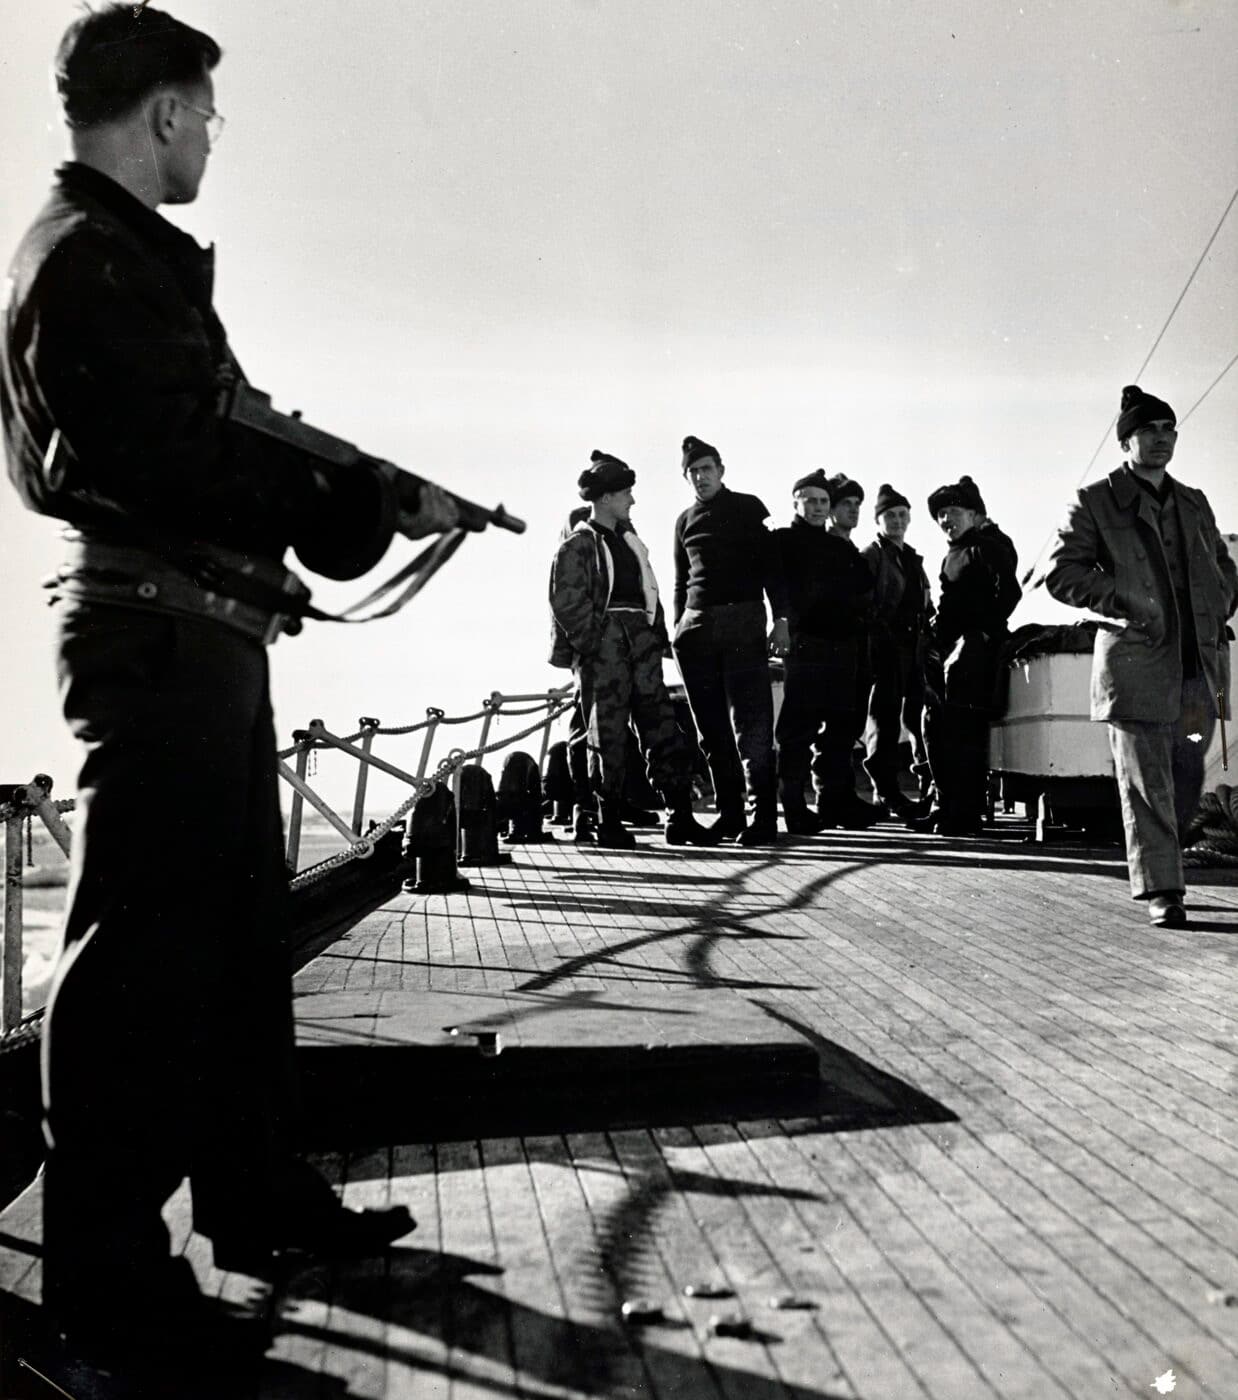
pixel 906 239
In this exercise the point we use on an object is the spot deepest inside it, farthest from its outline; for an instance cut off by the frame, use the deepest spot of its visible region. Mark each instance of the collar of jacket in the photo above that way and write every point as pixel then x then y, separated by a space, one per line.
pixel 1127 492
pixel 194 265
pixel 799 523
pixel 606 564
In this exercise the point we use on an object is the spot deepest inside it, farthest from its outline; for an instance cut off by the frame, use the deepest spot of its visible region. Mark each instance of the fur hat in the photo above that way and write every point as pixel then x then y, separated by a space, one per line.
pixel 603 475
pixel 963 492
pixel 840 485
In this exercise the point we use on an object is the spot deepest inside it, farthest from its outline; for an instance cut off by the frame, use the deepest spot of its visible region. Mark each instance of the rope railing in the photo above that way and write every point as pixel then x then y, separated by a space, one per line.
pixel 550 704
pixel 19 805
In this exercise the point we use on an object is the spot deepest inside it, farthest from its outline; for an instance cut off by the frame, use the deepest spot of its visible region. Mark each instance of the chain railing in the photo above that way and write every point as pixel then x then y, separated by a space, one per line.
pixel 20 804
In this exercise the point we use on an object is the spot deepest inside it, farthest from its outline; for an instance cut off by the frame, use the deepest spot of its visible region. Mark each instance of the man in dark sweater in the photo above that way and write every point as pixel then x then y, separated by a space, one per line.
pixel 168 1041
pixel 979 591
pixel 823 705
pixel 902 608
pixel 725 564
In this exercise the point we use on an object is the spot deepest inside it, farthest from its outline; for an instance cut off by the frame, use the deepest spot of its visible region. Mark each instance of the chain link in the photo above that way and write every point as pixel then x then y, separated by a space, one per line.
pixel 457 758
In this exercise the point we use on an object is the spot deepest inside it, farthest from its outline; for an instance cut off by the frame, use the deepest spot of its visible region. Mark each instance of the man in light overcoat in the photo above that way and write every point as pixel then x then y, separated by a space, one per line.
pixel 1143 549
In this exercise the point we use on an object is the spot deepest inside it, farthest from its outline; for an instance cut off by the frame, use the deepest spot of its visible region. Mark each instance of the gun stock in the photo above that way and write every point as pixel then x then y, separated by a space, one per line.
pixel 250 408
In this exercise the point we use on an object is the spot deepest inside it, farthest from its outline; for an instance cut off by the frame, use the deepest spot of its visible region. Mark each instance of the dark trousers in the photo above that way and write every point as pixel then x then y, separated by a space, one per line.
pixel 822 717
pixel 586 772
pixel 957 738
pixel 621 683
pixel 895 702
pixel 1160 774
pixel 168 1041
pixel 723 659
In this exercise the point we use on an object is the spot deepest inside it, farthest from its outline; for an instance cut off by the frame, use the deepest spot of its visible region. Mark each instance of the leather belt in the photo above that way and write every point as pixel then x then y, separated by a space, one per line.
pixel 208 581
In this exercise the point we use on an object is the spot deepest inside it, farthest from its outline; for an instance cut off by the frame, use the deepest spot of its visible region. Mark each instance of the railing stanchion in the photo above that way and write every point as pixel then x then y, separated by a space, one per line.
pixel 11 954
pixel 368 727
pixel 491 706
pixel 433 718
pixel 294 814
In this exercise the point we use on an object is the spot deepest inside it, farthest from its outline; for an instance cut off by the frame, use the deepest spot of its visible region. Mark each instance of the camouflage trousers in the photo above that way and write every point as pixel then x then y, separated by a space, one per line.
pixel 622 680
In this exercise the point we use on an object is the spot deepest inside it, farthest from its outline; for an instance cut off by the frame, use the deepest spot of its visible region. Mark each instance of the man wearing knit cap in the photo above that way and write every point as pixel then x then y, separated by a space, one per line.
pixel 979 591
pixel 607 616
pixel 725 565
pixel 829 589
pixel 902 609
pixel 1144 550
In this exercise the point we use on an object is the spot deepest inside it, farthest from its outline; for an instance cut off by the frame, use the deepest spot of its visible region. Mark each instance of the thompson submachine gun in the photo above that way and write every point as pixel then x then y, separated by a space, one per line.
pixel 241 403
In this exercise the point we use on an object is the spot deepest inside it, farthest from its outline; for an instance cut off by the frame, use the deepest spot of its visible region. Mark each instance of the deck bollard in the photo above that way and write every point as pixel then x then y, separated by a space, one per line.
pixel 520 800
pixel 557 790
pixel 479 828
pixel 430 837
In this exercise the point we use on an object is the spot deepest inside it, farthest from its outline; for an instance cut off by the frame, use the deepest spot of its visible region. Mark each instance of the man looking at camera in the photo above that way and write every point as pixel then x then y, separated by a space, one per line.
pixel 1143 549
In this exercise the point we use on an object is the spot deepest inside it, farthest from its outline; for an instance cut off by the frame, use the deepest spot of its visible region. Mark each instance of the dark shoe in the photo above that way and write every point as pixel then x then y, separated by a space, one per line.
pixel 1167 910
pixel 639 816
pixel 855 815
pixel 762 830
pixel 801 822
pixel 912 811
pixel 614 836
pixel 927 823
pixel 683 829
pixel 584 826
pixel 143 1325
pixel 727 825
pixel 948 826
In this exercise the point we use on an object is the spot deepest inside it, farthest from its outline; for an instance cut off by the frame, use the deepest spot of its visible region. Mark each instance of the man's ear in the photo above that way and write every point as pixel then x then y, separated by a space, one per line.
pixel 162 114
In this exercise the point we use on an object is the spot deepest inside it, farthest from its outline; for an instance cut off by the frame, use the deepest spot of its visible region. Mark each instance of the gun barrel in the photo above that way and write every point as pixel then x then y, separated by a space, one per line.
pixel 241 403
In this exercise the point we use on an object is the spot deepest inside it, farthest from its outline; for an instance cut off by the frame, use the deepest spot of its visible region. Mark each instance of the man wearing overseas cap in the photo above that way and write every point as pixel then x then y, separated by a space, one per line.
pixel 607 617
pixel 902 609
pixel 829 591
pixel 979 591
pixel 168 1041
pixel 725 567
pixel 1143 549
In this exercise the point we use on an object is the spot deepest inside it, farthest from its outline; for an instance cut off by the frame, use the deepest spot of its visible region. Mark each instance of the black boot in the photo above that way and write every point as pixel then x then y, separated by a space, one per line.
pixel 796 817
pixel 584 826
pixel 611 832
pixel 762 830
pixel 682 827
pixel 730 821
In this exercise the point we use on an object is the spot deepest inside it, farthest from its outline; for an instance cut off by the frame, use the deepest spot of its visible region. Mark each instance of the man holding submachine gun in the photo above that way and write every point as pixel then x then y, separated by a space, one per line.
pixel 168 1040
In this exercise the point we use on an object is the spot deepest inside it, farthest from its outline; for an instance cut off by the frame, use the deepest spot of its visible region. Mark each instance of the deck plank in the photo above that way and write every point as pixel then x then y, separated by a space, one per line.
pixel 1042 1201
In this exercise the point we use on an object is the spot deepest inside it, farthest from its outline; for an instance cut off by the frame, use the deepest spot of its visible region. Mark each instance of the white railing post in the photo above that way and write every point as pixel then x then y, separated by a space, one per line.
pixel 492 706
pixel 433 720
pixel 294 813
pixel 11 953
pixel 368 728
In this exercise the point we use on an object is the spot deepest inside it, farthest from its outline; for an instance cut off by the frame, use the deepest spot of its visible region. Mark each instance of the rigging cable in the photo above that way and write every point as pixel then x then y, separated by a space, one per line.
pixel 1147 359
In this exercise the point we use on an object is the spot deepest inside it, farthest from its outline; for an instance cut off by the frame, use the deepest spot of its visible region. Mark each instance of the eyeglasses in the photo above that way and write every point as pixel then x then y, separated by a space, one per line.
pixel 213 121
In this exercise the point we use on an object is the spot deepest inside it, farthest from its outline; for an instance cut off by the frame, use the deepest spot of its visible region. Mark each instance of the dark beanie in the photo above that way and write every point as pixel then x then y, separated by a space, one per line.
pixel 604 474
pixel 963 492
pixel 817 479
pixel 888 498
pixel 694 449
pixel 1139 409
pixel 840 485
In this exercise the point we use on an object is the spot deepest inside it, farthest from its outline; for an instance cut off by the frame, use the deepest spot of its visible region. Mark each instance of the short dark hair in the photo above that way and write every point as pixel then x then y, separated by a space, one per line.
pixel 110 58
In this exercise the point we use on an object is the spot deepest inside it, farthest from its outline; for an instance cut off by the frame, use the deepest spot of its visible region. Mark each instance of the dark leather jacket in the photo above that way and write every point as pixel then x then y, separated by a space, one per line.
pixel 111 338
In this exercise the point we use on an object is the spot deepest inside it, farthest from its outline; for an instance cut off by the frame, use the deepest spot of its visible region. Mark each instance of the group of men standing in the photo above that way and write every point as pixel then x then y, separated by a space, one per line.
pixel 857 631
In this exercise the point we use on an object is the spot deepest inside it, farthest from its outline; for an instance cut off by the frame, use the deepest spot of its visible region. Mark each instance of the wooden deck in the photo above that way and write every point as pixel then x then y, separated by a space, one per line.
pixel 1020 1180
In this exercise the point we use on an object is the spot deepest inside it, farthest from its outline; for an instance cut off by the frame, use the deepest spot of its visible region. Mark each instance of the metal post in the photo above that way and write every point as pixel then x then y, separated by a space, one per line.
pixel 11 953
pixel 433 718
pixel 491 706
pixel 368 727
pixel 294 814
